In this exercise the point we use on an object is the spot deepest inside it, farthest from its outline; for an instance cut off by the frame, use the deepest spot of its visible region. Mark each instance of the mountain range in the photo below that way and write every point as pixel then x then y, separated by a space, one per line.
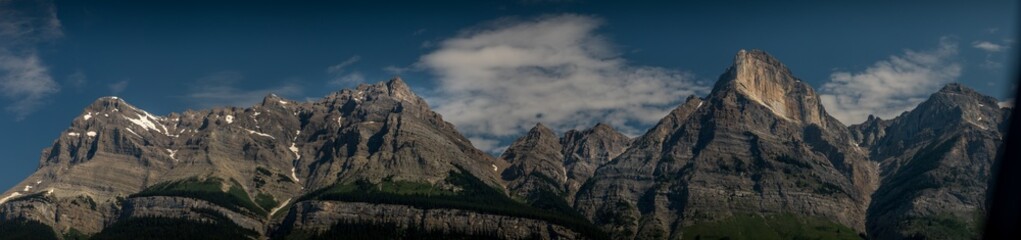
pixel 759 157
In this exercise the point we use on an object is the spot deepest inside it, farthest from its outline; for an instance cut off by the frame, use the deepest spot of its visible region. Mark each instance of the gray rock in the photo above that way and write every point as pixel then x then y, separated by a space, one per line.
pixel 280 148
pixel 936 163
pixel 318 216
pixel 759 144
pixel 542 161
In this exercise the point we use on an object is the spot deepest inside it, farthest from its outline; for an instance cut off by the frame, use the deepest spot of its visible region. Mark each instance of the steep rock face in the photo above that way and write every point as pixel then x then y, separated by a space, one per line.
pixel 541 161
pixel 869 132
pixel 936 163
pixel 764 80
pixel 319 216
pixel 385 131
pixel 115 157
pixel 536 163
pixel 586 150
pixel 759 144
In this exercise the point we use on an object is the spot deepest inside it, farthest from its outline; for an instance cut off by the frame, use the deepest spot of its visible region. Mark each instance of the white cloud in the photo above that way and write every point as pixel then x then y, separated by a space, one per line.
pixel 118 87
pixel 489 145
pixel 24 78
pixel 988 46
pixel 395 70
pixel 340 75
pixel 891 86
pixel 78 79
pixel 25 81
pixel 348 79
pixel 221 89
pixel 340 66
pixel 499 79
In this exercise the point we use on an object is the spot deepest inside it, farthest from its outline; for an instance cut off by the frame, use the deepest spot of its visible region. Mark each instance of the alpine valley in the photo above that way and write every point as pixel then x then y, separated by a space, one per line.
pixel 759 157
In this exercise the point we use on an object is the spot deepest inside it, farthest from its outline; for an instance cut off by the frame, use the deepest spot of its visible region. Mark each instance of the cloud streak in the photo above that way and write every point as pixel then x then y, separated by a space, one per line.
pixel 221 89
pixel 498 79
pixel 988 46
pixel 24 78
pixel 340 75
pixel 118 87
pixel 891 86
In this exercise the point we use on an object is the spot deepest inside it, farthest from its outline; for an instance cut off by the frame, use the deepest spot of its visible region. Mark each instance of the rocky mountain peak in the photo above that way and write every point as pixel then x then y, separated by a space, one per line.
pixel 395 88
pixel 956 88
pixel 540 133
pixel 273 99
pixel 957 104
pixel 603 127
pixel 534 158
pixel 959 93
pixel 108 103
pixel 762 79
pixel 538 136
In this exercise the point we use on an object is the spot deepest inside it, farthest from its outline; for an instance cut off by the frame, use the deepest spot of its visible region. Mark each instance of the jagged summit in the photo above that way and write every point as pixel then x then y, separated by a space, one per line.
pixel 395 89
pixel 108 102
pixel 762 79
pixel 273 99
pixel 601 126
pixel 956 88
pixel 759 145
pixel 956 94
pixel 279 150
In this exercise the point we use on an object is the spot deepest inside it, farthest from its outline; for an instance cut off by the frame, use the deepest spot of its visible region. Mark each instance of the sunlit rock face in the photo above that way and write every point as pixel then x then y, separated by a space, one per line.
pixel 276 151
pixel 760 143
pixel 759 147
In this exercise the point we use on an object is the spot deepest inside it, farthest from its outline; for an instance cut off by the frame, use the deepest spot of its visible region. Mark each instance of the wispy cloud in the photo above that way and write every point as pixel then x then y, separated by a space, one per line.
pixel 989 46
pixel 24 78
pixel 222 89
pixel 991 49
pixel 78 79
pixel 498 79
pixel 340 66
pixel 118 87
pixel 891 86
pixel 339 74
pixel 395 70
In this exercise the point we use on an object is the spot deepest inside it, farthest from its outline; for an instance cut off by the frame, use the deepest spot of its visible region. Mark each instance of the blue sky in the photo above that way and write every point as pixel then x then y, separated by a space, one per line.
pixel 565 63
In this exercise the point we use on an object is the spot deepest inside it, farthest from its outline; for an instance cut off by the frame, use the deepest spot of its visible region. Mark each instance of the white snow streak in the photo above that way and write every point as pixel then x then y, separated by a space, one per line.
pixel 172 152
pixel 294 149
pixel 132 132
pixel 15 194
pixel 145 120
pixel 73 134
pixel 260 134
pixel 229 118
pixel 91 133
pixel 294 175
pixel 282 205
